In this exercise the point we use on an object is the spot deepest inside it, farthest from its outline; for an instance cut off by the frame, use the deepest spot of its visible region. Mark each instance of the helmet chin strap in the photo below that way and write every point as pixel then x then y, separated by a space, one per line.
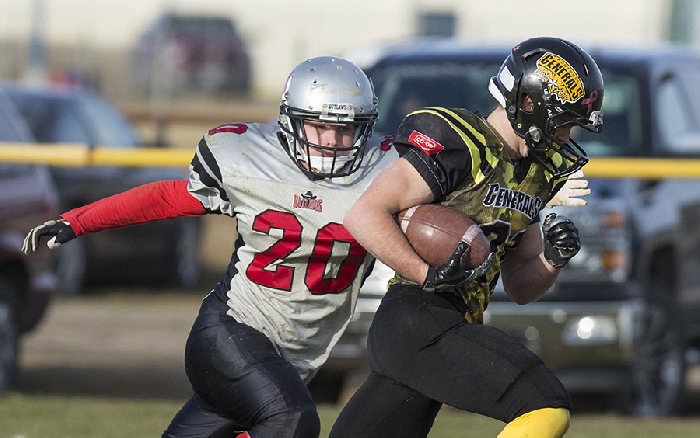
pixel 327 164
pixel 533 138
pixel 542 156
pixel 535 134
pixel 323 164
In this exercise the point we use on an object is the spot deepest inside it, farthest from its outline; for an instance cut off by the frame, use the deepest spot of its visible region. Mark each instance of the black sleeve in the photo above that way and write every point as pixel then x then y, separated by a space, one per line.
pixel 205 166
pixel 434 147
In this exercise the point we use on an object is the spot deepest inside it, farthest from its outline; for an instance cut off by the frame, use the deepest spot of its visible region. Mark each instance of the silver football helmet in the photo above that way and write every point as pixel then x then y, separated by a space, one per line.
pixel 331 90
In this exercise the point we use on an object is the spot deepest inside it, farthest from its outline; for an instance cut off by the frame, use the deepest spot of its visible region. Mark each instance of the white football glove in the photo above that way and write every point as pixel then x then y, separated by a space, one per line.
pixel 575 187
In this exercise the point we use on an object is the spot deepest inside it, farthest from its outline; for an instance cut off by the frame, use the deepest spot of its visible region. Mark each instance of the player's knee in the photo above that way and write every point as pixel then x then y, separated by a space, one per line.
pixel 297 423
pixel 309 423
pixel 545 423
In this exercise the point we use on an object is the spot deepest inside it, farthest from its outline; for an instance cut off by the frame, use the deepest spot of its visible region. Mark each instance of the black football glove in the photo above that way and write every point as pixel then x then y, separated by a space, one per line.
pixel 59 229
pixel 450 274
pixel 561 241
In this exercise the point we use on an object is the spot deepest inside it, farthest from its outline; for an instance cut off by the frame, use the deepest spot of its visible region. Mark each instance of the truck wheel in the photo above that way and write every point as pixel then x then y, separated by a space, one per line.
pixel 657 386
pixel 9 335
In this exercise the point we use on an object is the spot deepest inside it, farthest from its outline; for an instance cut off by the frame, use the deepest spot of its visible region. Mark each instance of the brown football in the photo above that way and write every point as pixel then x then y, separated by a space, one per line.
pixel 434 230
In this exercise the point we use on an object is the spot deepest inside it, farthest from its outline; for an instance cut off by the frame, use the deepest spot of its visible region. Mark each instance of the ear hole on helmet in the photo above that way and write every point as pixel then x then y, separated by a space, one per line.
pixel 526 103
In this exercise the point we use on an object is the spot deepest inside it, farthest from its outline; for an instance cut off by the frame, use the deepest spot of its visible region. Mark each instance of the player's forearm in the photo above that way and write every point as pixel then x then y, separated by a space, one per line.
pixel 147 203
pixel 379 234
pixel 530 280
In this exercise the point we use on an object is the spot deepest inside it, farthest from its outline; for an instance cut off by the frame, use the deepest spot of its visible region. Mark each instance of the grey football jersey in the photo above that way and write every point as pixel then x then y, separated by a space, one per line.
pixel 297 273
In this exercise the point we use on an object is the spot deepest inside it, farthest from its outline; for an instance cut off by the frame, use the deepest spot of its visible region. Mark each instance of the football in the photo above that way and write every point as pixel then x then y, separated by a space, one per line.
pixel 434 230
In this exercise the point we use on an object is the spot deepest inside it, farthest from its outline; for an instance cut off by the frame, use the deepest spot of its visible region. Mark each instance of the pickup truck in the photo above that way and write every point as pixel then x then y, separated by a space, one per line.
pixel 623 319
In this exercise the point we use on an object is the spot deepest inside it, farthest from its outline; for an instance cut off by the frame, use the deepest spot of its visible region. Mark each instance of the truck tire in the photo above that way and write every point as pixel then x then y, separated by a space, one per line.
pixel 657 378
pixel 9 335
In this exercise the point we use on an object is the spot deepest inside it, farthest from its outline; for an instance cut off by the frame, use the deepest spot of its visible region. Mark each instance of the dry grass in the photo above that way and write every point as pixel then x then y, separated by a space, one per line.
pixel 109 364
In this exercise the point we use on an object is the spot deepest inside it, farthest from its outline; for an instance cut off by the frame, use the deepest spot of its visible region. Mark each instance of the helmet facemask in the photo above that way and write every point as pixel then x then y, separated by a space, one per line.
pixel 332 91
pixel 328 161
pixel 543 145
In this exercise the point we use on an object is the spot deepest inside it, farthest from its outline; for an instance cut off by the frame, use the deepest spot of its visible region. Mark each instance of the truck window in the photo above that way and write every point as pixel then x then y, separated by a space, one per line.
pixel 402 89
pixel 677 125
pixel 622 123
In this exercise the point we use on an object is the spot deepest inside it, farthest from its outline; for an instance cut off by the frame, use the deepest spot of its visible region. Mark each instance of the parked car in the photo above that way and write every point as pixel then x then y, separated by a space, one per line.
pixel 28 196
pixel 160 252
pixel 182 53
pixel 623 319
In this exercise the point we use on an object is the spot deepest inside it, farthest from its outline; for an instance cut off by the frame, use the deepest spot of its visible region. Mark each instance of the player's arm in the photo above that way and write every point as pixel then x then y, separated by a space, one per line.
pixel 147 203
pixel 371 221
pixel 526 274
pixel 529 270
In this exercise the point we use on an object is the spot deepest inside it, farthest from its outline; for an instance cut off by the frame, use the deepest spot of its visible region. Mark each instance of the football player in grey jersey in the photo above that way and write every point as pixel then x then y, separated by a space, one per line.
pixel 292 284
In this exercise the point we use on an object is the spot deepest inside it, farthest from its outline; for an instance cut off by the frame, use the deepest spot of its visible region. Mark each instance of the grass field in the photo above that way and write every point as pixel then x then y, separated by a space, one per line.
pixel 111 365
pixel 36 416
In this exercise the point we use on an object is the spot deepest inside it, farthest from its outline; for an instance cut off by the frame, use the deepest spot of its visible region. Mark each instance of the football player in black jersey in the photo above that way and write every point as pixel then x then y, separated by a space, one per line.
pixel 427 345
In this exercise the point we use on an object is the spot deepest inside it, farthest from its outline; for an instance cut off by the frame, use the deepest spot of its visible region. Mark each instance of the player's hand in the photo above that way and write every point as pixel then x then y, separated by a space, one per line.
pixel 60 231
pixel 482 269
pixel 571 194
pixel 561 240
pixel 450 274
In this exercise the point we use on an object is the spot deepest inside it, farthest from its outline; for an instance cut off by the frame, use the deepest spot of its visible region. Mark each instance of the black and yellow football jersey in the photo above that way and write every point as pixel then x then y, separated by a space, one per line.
pixel 464 163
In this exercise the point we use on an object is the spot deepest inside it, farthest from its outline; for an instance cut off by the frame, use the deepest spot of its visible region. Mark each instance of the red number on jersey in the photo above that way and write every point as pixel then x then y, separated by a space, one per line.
pixel 279 277
pixel 325 239
pixel 267 268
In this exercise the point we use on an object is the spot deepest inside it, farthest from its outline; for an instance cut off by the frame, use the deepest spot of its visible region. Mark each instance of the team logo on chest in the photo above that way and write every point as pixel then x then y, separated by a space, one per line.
pixel 308 200
pixel 503 197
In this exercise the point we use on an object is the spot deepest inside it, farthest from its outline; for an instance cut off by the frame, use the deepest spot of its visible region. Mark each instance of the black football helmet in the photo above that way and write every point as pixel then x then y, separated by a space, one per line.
pixel 562 80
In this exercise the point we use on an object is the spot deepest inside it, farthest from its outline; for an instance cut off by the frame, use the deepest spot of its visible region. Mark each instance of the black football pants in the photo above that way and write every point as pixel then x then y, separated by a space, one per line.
pixel 240 383
pixel 423 354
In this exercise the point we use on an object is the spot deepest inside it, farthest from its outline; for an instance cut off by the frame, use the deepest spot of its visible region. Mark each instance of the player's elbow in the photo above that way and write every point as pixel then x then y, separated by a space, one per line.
pixel 351 222
pixel 524 293
pixel 519 299
pixel 520 293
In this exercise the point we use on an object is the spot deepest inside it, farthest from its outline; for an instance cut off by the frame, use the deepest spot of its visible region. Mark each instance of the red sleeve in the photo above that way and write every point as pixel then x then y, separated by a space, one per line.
pixel 147 203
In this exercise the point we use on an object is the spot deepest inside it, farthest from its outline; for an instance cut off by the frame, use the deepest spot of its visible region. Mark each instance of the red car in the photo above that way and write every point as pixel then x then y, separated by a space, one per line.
pixel 27 197
pixel 184 53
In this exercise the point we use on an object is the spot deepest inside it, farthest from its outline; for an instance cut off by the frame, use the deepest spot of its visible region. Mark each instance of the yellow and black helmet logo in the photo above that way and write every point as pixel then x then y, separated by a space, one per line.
pixel 560 77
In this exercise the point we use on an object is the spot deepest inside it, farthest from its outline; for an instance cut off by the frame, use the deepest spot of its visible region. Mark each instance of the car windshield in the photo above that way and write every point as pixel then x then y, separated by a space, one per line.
pixel 109 127
pixel 402 89
pixel 59 119
pixel 11 131
pixel 8 131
